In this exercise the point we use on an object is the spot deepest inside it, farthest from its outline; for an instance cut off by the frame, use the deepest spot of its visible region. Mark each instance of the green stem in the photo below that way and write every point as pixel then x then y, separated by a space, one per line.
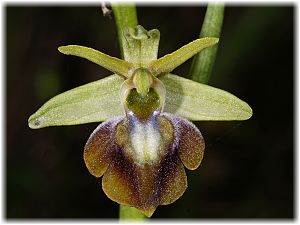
pixel 126 16
pixel 130 213
pixel 203 62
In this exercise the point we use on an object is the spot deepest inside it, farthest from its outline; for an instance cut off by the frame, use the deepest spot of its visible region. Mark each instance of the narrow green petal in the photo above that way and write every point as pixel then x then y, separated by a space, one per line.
pixel 169 62
pixel 196 101
pixel 93 102
pixel 113 64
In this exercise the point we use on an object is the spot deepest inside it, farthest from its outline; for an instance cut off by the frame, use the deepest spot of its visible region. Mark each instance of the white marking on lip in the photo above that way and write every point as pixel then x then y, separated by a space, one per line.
pixel 145 140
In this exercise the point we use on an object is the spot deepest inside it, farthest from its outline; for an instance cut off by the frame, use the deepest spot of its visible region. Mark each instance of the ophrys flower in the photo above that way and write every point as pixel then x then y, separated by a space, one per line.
pixel 141 148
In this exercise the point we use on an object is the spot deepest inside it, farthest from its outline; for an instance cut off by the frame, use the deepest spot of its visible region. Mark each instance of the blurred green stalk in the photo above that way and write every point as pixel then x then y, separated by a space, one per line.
pixel 125 16
pixel 128 213
pixel 203 62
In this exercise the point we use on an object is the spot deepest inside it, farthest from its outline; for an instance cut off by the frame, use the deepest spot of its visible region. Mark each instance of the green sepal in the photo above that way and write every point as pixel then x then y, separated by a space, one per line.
pixel 100 100
pixel 113 64
pixel 93 102
pixel 140 45
pixel 199 102
pixel 170 61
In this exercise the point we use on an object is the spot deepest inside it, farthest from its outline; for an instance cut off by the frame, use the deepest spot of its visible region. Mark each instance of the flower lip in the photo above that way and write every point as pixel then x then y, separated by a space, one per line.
pixel 142 161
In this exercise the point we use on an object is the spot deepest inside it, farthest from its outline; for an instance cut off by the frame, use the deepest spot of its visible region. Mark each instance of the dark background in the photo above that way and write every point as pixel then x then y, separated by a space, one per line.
pixel 248 168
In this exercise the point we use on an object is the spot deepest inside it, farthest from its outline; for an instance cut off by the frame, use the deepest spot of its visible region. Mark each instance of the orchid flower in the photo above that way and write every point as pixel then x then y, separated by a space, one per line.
pixel 147 139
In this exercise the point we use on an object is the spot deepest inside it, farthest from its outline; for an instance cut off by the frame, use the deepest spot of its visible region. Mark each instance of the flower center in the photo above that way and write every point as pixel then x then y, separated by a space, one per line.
pixel 142 94
pixel 144 134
